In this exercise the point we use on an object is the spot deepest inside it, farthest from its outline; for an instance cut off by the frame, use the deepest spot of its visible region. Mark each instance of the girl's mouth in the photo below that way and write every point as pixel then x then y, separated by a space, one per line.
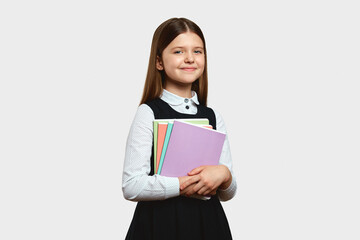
pixel 188 69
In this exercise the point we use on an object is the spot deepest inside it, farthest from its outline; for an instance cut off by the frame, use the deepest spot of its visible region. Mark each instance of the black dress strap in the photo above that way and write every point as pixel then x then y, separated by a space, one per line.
pixel 162 110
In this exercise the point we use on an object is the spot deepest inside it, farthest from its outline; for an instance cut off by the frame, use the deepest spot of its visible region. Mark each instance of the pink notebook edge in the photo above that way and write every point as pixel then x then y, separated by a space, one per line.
pixel 161 139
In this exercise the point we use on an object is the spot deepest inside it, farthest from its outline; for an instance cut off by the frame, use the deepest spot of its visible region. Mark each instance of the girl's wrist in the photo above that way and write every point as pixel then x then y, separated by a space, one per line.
pixel 228 178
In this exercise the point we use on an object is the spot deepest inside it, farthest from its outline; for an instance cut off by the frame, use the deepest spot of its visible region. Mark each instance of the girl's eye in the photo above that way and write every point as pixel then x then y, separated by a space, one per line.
pixel 198 51
pixel 177 52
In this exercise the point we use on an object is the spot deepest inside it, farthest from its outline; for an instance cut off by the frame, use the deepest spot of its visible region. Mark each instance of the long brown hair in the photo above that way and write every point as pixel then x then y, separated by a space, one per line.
pixel 163 36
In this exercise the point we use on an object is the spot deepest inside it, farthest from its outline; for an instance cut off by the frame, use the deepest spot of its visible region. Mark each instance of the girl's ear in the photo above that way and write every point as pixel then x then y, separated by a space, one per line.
pixel 159 64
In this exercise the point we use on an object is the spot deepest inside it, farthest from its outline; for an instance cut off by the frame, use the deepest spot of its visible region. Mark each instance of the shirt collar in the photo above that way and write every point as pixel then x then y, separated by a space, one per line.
pixel 174 99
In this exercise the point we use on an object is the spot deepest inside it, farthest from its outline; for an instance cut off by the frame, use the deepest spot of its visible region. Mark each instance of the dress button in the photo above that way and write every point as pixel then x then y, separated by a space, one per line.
pixel 187 107
pixel 186 100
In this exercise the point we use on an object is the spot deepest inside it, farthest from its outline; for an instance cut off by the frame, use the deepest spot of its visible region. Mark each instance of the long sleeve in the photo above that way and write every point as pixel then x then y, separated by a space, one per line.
pixel 137 185
pixel 225 159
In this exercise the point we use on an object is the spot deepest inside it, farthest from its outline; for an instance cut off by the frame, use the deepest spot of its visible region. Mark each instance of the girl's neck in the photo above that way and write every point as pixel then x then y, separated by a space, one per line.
pixel 183 91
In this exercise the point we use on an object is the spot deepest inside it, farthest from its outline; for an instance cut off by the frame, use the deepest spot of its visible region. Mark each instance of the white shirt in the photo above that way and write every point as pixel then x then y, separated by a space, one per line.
pixel 137 185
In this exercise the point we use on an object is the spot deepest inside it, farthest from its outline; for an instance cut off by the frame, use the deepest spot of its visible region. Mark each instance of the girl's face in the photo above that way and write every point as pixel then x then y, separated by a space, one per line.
pixel 183 59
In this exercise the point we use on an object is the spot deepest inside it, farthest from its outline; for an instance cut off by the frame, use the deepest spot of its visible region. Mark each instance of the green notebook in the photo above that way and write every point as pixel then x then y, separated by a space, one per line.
pixel 166 142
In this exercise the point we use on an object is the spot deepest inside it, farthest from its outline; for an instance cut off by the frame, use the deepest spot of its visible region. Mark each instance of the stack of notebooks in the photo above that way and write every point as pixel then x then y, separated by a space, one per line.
pixel 181 145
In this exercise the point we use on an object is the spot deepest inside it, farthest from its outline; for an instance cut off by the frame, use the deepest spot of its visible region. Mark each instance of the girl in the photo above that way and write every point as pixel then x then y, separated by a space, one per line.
pixel 176 87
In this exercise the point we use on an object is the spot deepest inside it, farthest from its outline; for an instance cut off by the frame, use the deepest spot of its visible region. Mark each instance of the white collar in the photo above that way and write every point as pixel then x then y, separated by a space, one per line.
pixel 174 99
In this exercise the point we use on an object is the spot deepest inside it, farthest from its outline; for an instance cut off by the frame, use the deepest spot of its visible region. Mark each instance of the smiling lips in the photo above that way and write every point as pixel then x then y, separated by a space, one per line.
pixel 189 69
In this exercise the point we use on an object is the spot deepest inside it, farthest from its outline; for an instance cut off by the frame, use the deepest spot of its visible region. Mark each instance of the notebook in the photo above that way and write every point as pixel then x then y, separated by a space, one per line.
pixel 191 146
pixel 156 122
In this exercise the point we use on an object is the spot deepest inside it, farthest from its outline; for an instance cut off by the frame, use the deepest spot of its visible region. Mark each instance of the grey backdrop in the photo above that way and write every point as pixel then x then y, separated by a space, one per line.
pixel 284 75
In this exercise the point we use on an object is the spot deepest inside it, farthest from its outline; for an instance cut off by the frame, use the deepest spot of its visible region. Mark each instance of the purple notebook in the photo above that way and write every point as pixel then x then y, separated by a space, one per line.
pixel 189 147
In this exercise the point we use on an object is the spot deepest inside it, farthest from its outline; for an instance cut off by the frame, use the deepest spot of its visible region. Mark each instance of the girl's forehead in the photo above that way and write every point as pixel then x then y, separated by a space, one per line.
pixel 187 39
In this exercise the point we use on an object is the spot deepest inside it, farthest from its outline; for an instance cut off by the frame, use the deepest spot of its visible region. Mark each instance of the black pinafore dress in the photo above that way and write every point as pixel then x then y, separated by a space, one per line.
pixel 179 218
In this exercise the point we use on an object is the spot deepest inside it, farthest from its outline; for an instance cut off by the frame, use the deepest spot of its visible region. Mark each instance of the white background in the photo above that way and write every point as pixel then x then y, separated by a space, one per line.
pixel 284 75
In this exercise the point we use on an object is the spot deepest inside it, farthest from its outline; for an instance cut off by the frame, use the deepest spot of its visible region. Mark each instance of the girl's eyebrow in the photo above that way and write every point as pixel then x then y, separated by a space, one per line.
pixel 185 47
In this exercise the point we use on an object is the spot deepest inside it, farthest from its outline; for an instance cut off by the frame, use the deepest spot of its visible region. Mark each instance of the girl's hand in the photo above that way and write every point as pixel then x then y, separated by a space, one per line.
pixel 184 192
pixel 206 179
pixel 184 179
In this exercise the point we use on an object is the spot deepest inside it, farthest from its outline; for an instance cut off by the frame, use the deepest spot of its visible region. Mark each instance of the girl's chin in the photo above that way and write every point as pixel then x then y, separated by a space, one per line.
pixel 183 80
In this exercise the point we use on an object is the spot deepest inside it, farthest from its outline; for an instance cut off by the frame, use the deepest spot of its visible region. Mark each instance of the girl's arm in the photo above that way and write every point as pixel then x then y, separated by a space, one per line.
pixel 226 160
pixel 137 185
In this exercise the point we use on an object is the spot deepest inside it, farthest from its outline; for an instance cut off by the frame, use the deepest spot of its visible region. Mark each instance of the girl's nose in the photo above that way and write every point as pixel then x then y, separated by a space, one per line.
pixel 189 58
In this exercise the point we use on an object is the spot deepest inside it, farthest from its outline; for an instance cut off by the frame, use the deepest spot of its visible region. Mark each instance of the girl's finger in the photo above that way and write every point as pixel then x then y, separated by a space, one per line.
pixel 203 191
pixel 185 190
pixel 210 192
pixel 213 192
pixel 206 193
pixel 198 186
pixel 189 182
pixel 196 171
pixel 194 189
